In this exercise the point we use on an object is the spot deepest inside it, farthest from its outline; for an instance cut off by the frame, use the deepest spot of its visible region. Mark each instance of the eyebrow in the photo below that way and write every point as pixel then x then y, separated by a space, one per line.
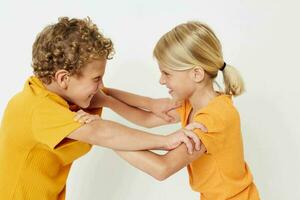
pixel 97 76
pixel 163 70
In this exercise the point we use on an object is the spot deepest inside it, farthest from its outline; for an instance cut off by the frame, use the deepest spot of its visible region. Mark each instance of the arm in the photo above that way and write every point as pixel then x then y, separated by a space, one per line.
pixel 161 166
pixel 131 99
pixel 116 136
pixel 163 108
pixel 138 116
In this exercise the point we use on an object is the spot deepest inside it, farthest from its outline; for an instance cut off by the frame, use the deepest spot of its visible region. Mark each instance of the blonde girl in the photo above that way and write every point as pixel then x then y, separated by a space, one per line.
pixel 190 58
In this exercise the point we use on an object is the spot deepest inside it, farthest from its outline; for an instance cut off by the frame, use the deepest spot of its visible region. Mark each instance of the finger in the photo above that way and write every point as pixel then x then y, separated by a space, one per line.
pixel 177 103
pixel 194 125
pixel 174 106
pixel 79 115
pixel 194 137
pixel 188 144
pixel 166 117
pixel 84 118
pixel 94 117
pixel 89 120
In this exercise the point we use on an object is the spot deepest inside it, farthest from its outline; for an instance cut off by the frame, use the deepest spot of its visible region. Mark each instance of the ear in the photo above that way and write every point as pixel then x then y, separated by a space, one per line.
pixel 197 74
pixel 62 78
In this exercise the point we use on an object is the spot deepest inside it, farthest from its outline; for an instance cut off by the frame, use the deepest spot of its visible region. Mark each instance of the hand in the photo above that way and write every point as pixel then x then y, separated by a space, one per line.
pixel 84 117
pixel 184 135
pixel 161 107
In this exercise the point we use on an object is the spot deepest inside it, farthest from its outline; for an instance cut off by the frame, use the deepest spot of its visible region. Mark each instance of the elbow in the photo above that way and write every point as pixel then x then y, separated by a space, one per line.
pixel 148 125
pixel 163 173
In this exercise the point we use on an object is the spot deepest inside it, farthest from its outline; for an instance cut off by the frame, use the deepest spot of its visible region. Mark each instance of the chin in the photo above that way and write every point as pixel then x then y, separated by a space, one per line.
pixel 84 105
pixel 177 98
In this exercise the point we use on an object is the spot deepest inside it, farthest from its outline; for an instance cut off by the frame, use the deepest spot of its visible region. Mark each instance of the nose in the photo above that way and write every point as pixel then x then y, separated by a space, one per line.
pixel 162 80
pixel 100 85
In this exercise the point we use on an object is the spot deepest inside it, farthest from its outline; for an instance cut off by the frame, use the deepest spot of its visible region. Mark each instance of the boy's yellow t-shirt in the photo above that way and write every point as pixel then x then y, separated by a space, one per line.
pixel 35 155
pixel 221 173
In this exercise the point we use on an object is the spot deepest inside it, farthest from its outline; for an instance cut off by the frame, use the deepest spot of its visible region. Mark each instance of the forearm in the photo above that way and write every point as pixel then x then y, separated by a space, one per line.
pixel 138 116
pixel 148 162
pixel 130 99
pixel 161 166
pixel 116 136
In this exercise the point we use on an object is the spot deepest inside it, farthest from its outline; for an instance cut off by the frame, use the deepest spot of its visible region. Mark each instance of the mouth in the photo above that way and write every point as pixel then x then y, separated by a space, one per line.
pixel 91 96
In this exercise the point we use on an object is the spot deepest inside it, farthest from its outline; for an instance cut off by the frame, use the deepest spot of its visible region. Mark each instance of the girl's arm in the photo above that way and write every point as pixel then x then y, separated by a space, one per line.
pixel 131 99
pixel 160 107
pixel 161 166
pixel 138 116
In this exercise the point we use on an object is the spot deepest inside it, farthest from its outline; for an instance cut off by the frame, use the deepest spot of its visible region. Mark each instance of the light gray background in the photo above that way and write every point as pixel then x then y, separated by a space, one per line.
pixel 259 37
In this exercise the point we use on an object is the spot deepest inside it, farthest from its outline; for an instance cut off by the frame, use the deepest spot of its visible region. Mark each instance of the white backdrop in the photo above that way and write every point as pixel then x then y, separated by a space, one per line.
pixel 259 37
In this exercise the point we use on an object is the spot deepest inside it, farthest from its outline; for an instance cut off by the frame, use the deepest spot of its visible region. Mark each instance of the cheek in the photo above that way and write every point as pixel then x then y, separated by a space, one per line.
pixel 85 90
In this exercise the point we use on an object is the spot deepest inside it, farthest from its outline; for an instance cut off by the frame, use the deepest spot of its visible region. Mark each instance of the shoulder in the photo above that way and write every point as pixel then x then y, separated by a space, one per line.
pixel 218 114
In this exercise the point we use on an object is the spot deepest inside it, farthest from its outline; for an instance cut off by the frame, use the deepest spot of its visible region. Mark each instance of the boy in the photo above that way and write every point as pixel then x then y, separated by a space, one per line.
pixel 39 139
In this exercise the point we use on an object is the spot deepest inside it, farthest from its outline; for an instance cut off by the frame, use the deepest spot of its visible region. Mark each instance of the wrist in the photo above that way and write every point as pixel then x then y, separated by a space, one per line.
pixel 151 104
pixel 164 143
pixel 106 90
pixel 109 101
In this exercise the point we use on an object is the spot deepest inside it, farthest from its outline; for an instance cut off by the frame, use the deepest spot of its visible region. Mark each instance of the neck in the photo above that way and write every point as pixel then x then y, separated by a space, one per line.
pixel 201 97
pixel 54 88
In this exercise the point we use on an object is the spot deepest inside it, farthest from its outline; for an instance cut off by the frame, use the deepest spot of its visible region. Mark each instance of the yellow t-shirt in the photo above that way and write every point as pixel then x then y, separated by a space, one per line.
pixel 221 173
pixel 35 155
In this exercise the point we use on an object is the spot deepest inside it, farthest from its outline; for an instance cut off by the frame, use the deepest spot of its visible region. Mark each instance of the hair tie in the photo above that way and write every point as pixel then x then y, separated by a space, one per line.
pixel 223 67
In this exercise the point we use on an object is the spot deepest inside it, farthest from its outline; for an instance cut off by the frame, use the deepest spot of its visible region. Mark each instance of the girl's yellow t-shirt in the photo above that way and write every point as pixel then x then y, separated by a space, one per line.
pixel 221 173
pixel 35 155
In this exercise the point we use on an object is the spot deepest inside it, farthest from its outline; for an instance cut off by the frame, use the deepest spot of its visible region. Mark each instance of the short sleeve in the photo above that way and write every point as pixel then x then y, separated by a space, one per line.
pixel 213 139
pixel 52 122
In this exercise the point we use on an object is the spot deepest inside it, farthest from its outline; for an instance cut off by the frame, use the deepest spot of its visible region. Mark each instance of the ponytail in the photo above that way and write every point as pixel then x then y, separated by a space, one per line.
pixel 234 84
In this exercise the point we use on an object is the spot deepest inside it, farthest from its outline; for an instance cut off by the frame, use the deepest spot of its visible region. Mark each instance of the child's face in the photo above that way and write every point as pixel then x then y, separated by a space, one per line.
pixel 81 89
pixel 179 83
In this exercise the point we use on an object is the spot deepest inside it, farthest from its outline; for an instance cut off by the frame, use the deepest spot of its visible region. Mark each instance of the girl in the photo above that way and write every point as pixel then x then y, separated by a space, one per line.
pixel 190 58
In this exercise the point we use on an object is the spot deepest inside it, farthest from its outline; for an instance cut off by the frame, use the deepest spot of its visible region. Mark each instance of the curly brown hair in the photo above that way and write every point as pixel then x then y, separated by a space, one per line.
pixel 69 44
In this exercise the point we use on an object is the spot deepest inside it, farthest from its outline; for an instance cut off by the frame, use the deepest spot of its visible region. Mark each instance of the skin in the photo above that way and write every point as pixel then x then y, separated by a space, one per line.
pixel 194 85
pixel 80 90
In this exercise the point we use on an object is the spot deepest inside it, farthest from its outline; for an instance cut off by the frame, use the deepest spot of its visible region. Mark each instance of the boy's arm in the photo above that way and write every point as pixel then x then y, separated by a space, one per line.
pixel 116 136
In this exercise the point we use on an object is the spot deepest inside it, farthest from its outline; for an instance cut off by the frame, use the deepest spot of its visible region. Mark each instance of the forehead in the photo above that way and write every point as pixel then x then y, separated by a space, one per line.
pixel 94 68
pixel 162 67
pixel 175 73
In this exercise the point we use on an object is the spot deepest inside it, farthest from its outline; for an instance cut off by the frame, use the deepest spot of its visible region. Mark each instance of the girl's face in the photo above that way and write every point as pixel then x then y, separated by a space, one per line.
pixel 180 84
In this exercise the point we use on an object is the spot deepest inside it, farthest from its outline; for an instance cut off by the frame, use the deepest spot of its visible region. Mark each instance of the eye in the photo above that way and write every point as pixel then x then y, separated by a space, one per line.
pixel 166 74
pixel 97 79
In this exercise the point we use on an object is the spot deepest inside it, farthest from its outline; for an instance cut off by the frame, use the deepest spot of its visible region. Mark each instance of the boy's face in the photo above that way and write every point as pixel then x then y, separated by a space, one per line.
pixel 81 89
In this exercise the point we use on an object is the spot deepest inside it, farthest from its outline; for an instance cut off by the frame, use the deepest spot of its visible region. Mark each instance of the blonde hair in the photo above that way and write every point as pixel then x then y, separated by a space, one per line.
pixel 69 44
pixel 194 44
